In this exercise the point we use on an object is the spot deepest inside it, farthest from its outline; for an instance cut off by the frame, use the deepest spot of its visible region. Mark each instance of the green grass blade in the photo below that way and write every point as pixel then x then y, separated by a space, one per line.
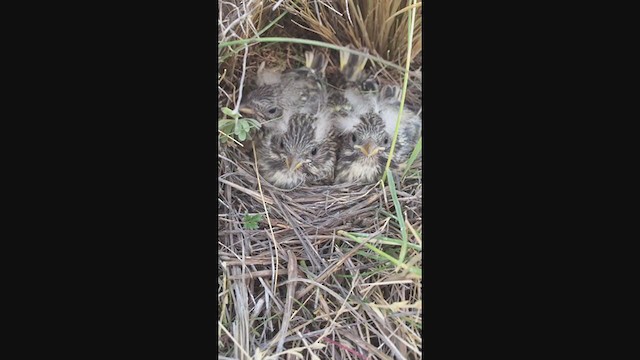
pixel 388 241
pixel 399 216
pixel 313 43
pixel 413 157
pixel 405 82
pixel 269 25
pixel 382 255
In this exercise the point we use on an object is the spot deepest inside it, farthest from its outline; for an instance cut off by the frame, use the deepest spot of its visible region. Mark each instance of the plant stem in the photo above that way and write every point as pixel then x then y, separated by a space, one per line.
pixel 314 43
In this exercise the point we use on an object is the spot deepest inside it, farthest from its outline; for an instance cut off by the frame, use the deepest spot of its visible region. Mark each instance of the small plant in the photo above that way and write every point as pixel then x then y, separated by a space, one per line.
pixel 234 125
pixel 250 222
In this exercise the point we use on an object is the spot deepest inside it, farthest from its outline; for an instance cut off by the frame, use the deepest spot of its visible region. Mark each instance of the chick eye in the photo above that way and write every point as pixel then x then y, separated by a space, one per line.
pixel 386 140
pixel 281 144
pixel 353 137
pixel 314 151
pixel 272 111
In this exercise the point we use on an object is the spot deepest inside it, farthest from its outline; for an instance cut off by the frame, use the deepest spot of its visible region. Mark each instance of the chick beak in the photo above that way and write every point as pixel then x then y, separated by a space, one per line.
pixel 293 163
pixel 246 112
pixel 370 149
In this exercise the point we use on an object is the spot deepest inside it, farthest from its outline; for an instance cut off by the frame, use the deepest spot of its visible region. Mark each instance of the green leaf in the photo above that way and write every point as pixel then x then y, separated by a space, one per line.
pixel 229 112
pixel 253 122
pixel 242 136
pixel 245 125
pixel 250 222
pixel 226 125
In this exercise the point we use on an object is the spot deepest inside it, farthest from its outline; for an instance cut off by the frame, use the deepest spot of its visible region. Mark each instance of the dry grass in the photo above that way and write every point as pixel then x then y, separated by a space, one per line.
pixel 324 275
pixel 380 26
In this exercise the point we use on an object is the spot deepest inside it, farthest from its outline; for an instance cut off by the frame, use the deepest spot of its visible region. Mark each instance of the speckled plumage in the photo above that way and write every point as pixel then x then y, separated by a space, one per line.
pixel 388 107
pixel 364 151
pixel 304 154
pixel 301 90
pixel 310 127
pixel 364 110
pixel 353 91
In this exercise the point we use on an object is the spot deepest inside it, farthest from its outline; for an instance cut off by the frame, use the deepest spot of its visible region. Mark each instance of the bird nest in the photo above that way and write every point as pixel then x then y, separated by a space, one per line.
pixel 290 284
pixel 309 215
pixel 326 271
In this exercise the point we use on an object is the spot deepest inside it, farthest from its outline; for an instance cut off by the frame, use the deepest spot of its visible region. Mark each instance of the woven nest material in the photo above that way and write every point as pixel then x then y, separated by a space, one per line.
pixel 305 213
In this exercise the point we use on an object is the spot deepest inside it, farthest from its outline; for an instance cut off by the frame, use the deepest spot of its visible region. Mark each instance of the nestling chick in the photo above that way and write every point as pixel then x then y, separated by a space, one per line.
pixel 354 91
pixel 352 66
pixel 301 90
pixel 304 154
pixel 269 76
pixel 364 151
pixel 388 107
pixel 366 139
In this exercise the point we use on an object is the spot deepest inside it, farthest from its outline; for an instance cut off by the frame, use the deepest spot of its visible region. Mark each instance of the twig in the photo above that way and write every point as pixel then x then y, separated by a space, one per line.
pixel 276 5
pixel 264 204
pixel 244 70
